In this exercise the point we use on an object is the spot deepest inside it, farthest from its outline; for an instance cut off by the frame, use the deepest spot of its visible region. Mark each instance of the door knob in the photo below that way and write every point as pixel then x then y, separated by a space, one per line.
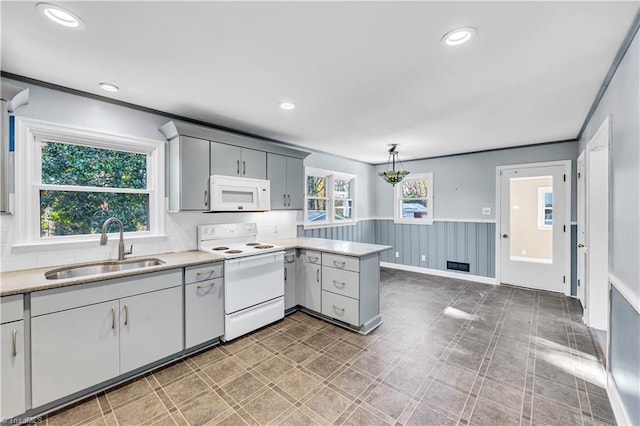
pixel 580 245
pixel 505 236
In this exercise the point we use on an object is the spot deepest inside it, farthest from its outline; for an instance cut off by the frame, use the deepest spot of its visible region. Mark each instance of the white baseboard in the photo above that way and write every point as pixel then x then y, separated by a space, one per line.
pixel 439 273
pixel 622 418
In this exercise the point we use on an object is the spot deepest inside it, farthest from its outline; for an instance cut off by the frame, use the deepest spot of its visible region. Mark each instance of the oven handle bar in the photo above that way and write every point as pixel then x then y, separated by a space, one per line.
pixel 256 260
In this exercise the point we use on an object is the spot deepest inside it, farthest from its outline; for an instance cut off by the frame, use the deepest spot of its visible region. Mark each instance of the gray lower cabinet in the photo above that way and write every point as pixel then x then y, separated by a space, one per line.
pixel 231 160
pixel 286 175
pixel 309 285
pixel 290 282
pixel 86 334
pixel 12 358
pixel 188 174
pixel 204 303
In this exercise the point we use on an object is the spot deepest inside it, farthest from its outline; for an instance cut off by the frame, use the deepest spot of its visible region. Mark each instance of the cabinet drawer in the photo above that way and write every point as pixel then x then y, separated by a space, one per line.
pixel 310 256
pixel 59 299
pixel 194 274
pixel 342 308
pixel 342 282
pixel 349 263
pixel 11 308
pixel 290 256
pixel 204 311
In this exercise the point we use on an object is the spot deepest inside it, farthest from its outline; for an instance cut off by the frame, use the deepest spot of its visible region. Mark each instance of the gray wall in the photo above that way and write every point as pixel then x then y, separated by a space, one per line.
pixel 464 184
pixel 622 102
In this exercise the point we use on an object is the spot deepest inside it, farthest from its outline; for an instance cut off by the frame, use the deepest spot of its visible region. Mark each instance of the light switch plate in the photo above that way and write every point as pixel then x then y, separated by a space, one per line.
pixel 486 211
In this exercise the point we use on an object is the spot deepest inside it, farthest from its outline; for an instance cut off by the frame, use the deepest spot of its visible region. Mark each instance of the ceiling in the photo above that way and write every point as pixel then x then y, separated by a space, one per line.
pixel 362 74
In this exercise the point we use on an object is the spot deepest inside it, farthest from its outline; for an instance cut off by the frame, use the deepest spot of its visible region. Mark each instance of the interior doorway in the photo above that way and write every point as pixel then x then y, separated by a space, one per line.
pixel 593 228
pixel 533 225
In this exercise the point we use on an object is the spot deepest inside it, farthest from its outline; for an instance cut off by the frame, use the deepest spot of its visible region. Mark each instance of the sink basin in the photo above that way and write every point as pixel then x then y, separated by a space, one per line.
pixel 100 268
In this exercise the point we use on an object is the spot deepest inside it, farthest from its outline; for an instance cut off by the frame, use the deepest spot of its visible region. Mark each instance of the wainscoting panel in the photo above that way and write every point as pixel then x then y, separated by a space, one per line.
pixel 469 242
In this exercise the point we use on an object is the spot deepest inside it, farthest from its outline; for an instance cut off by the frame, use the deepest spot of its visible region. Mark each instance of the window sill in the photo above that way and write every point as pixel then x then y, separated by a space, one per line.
pixel 414 221
pixel 91 241
pixel 329 225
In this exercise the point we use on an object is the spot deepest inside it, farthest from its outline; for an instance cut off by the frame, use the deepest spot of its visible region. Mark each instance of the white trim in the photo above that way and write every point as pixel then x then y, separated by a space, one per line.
pixel 85 243
pixel 397 196
pixel 625 291
pixel 440 273
pixel 446 220
pixel 620 413
pixel 329 176
pixel 531 259
pixel 330 225
pixel 567 218
pixel 27 178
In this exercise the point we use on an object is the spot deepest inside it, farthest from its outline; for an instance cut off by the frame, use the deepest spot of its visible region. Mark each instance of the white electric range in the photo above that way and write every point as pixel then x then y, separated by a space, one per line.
pixel 253 276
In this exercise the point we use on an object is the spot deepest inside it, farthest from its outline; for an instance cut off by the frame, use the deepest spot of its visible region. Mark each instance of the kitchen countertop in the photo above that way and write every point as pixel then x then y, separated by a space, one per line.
pixel 28 280
pixel 346 248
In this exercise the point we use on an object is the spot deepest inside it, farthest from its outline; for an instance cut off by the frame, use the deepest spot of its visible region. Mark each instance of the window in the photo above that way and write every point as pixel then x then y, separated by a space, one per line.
pixel 329 197
pixel 73 180
pixel 545 207
pixel 414 199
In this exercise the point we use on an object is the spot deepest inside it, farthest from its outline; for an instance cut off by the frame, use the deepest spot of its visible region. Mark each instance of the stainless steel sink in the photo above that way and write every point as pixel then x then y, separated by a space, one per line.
pixel 100 268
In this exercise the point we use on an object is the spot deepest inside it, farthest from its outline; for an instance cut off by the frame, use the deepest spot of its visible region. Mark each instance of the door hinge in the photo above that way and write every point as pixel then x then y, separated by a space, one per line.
pixel 564 178
pixel 578 283
pixel 564 279
pixel 579 174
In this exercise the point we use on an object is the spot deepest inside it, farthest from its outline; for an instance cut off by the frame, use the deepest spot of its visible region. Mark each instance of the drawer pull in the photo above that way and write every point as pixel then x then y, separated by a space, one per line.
pixel 126 314
pixel 339 311
pixel 113 318
pixel 312 258
pixel 290 258
pixel 339 264
pixel 285 274
pixel 339 284
pixel 318 275
pixel 14 341
pixel 205 285
pixel 206 275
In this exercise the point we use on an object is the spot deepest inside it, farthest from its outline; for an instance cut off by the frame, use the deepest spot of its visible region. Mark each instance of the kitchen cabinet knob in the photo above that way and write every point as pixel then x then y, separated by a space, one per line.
pixel 580 245
pixel 113 318
pixel 126 314
pixel 14 342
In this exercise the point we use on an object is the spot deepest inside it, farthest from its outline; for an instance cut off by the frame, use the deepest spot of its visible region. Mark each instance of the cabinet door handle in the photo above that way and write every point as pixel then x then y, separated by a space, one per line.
pixel 126 314
pixel 244 168
pixel 205 285
pixel 14 342
pixel 339 264
pixel 113 318
pixel 207 275
pixel 285 274
pixel 238 167
pixel 289 258
pixel 318 275
pixel 206 198
pixel 284 200
pixel 338 310
pixel 288 200
pixel 339 284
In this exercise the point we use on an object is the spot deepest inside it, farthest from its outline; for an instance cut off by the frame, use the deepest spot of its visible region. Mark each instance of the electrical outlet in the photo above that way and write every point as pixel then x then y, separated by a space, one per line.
pixel 423 257
pixel 397 254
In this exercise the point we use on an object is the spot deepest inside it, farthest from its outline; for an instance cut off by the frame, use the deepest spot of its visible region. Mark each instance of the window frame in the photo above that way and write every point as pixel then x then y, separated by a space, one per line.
pixel 330 177
pixel 397 200
pixel 542 191
pixel 28 157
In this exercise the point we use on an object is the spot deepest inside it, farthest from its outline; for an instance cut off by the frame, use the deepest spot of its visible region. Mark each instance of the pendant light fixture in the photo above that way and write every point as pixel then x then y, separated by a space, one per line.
pixel 393 176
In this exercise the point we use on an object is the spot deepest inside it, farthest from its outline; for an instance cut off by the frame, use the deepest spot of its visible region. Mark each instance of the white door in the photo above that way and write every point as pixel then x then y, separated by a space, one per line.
pixel 582 232
pixel 534 226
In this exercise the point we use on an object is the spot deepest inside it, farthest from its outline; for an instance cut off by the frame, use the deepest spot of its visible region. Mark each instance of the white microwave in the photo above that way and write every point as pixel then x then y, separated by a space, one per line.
pixel 238 194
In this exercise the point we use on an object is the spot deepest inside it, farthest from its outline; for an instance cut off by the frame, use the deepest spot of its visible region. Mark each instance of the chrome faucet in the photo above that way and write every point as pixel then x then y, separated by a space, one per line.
pixel 104 238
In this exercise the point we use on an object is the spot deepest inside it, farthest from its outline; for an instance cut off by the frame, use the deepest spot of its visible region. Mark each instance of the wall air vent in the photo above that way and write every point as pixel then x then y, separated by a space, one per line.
pixel 458 266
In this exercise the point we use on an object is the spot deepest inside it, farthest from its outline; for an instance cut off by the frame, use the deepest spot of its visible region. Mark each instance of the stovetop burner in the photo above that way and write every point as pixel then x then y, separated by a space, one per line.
pixel 253 244
pixel 220 248
pixel 263 246
pixel 233 251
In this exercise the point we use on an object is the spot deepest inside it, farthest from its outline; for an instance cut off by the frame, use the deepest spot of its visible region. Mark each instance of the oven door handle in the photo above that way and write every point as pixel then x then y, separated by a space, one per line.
pixel 256 260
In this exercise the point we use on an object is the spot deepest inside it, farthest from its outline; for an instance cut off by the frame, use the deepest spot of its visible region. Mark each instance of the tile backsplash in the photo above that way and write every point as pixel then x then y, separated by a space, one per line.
pixel 181 234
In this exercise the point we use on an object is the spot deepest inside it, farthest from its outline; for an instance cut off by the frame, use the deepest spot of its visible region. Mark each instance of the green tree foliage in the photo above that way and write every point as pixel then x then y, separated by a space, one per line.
pixel 83 212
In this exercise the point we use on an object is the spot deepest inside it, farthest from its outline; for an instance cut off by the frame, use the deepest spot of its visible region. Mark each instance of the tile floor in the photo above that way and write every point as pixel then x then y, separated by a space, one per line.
pixel 449 352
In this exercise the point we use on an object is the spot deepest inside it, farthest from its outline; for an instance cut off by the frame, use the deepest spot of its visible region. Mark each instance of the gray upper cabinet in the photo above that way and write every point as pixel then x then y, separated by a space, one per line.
pixel 188 174
pixel 287 179
pixel 233 160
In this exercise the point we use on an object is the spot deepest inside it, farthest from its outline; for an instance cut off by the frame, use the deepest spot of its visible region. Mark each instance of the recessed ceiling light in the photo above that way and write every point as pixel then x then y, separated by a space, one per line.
pixel 109 87
pixel 459 36
pixel 60 15
pixel 287 105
